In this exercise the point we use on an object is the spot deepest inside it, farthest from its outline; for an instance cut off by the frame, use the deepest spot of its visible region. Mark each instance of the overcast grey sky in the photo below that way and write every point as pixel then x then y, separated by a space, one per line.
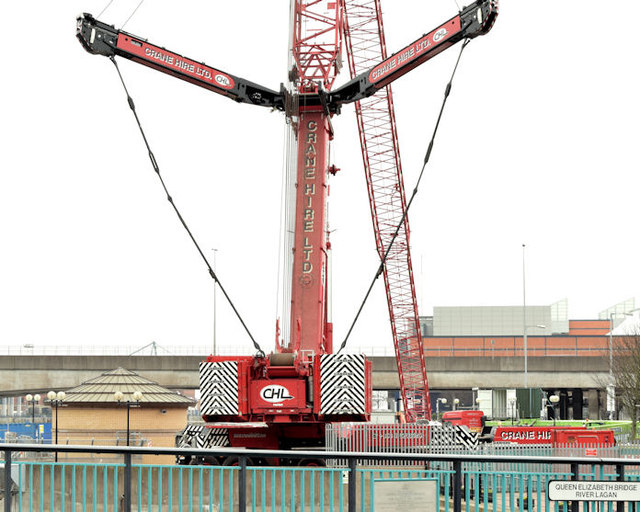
pixel 538 145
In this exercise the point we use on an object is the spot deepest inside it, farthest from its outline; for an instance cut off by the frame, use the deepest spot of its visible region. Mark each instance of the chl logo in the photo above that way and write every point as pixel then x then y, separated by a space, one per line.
pixel 222 80
pixel 439 35
pixel 275 393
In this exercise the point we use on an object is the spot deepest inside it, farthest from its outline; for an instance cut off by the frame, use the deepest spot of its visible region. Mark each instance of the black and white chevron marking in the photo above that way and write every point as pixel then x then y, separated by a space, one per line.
pixel 188 436
pixel 455 436
pixel 213 437
pixel 219 388
pixel 342 385
pixel 198 436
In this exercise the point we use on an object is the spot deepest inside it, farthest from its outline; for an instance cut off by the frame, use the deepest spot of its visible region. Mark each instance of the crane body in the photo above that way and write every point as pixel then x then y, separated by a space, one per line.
pixel 285 399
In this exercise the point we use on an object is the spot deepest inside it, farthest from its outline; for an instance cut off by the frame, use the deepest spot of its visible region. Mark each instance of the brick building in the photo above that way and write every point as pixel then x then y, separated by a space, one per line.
pixel 97 412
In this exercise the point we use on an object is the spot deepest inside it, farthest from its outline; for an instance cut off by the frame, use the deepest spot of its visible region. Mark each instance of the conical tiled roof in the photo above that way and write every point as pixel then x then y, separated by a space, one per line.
pixel 101 390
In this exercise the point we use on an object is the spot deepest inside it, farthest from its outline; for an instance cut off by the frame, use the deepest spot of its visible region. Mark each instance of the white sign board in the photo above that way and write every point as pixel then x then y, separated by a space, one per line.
pixel 395 495
pixel 581 490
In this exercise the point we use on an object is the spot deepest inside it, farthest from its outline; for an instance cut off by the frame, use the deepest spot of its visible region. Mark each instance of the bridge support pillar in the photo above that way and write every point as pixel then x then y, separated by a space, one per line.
pixel 593 401
pixel 577 404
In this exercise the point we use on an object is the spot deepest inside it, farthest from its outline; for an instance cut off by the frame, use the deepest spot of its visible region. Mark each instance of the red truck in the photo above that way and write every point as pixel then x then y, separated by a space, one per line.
pixel 474 420
pixel 556 436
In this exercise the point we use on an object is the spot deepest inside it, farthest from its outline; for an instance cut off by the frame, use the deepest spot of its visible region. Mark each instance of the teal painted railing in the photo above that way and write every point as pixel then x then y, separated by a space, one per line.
pixel 49 486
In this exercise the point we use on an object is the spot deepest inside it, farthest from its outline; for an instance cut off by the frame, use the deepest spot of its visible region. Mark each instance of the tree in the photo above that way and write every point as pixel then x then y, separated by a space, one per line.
pixel 626 374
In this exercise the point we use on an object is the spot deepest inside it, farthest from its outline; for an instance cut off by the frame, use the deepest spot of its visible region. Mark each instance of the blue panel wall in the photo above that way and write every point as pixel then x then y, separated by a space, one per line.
pixel 41 430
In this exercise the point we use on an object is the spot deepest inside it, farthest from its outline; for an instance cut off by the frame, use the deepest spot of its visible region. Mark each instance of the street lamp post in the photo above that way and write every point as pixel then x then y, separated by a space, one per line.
pixel 33 399
pixel 136 396
pixel 512 402
pixel 439 401
pixel 524 325
pixel 456 401
pixel 56 399
pixel 611 387
pixel 554 399
pixel 524 317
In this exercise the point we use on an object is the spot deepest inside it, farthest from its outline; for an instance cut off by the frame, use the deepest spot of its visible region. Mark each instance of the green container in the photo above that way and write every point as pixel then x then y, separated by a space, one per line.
pixel 529 402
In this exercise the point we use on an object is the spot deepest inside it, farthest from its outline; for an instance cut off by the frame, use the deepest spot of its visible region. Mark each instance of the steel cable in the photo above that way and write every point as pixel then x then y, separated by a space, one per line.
pixel 154 163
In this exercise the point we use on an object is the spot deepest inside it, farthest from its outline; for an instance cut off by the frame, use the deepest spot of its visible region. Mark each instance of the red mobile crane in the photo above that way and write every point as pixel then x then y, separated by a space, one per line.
pixel 285 399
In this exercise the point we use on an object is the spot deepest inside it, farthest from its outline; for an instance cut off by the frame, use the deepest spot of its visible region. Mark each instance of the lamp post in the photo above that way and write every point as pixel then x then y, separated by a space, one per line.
pixel 477 403
pixel 456 401
pixel 512 403
pixel 524 317
pixel 439 401
pixel 524 325
pixel 33 399
pixel 611 387
pixel 136 396
pixel 56 399
pixel 554 399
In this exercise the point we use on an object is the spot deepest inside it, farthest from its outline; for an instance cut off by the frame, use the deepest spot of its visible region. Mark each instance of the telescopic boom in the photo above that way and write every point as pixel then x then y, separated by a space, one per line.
pixel 102 39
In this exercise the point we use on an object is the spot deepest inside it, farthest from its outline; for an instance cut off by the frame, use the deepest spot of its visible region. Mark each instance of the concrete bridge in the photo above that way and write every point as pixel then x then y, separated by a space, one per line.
pixel 34 373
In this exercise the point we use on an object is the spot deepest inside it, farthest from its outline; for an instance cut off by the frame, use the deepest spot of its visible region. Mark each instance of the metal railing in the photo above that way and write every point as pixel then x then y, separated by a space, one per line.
pixel 436 346
pixel 495 482
pixel 118 350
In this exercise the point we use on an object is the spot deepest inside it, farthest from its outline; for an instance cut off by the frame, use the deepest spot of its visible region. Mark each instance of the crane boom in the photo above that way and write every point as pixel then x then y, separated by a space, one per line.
pixel 366 47
pixel 317 62
pixel 101 39
pixel 365 43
